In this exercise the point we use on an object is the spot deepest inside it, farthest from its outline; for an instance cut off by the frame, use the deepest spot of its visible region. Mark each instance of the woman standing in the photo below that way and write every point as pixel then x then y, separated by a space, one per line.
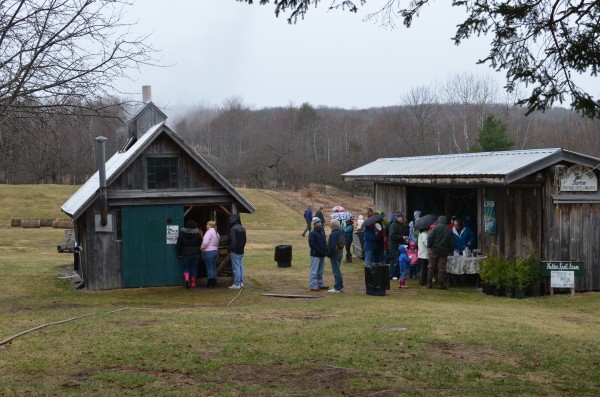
pixel 188 251
pixel 210 246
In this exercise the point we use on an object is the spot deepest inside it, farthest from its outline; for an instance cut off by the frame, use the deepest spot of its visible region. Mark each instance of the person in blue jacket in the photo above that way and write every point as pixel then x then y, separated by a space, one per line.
pixel 404 262
pixel 308 217
pixel 463 237
pixel 318 250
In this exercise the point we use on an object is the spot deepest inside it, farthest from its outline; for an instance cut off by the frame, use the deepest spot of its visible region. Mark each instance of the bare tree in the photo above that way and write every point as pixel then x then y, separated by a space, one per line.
pixel 61 55
pixel 421 103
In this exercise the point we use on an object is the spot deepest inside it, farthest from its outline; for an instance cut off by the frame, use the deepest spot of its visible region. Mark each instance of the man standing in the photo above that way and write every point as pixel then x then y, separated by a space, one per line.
pixel 237 242
pixel 318 250
pixel 335 248
pixel 398 235
pixel 440 243
pixel 308 218
pixel 319 214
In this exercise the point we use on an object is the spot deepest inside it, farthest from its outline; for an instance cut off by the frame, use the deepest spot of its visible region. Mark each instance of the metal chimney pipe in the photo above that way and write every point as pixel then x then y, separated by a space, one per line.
pixel 146 93
pixel 102 180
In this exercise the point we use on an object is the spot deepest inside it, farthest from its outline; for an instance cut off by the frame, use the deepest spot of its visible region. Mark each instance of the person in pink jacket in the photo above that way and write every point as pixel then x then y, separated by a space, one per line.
pixel 210 253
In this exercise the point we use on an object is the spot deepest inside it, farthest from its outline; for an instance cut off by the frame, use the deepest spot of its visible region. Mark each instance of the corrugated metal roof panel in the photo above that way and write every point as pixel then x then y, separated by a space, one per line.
pixel 465 164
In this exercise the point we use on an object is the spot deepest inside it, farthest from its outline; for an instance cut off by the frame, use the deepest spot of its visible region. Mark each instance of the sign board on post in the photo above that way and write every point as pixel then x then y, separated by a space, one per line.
pixel 552 266
pixel 562 279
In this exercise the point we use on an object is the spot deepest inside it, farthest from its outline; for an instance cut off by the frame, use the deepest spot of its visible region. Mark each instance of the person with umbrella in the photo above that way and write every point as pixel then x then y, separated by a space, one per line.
pixel 441 244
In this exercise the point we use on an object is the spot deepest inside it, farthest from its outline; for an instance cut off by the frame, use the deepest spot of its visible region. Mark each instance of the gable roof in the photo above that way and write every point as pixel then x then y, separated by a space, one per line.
pixel 486 167
pixel 90 190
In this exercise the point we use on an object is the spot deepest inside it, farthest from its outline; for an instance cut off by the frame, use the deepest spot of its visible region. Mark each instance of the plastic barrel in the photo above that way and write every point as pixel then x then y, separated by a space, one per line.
pixel 377 279
pixel 283 255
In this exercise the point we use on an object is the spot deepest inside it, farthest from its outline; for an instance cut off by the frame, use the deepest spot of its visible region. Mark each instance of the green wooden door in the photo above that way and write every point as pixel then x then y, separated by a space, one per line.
pixel 147 258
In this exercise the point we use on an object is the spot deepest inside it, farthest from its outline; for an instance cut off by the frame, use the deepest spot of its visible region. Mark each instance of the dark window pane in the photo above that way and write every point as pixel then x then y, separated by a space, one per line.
pixel 162 173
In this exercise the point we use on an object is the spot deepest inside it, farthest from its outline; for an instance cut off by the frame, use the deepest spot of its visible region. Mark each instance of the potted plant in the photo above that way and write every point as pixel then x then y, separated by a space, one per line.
pixel 485 274
pixel 522 277
pixel 509 278
pixel 535 269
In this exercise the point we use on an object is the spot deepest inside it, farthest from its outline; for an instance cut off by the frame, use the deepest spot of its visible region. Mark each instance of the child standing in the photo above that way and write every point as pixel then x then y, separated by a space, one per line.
pixel 413 256
pixel 404 262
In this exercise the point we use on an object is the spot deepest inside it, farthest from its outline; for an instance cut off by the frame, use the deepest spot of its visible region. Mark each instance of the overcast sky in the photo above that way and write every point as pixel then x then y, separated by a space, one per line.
pixel 220 49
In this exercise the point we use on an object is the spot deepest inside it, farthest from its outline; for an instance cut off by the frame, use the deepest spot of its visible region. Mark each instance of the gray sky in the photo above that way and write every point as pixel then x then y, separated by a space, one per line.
pixel 222 48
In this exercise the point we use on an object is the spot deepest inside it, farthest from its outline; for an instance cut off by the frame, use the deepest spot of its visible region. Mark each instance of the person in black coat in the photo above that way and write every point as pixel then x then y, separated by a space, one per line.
pixel 237 243
pixel 188 251
pixel 318 250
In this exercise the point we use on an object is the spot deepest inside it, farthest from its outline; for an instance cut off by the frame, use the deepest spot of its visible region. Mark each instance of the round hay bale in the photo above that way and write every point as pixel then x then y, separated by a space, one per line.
pixel 62 224
pixel 15 223
pixel 30 223
pixel 46 222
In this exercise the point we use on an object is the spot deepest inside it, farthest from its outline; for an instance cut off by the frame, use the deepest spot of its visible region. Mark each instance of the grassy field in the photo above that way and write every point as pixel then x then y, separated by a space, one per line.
pixel 214 342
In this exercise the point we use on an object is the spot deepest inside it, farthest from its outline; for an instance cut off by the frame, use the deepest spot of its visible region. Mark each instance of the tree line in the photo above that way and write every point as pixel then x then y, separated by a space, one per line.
pixel 298 146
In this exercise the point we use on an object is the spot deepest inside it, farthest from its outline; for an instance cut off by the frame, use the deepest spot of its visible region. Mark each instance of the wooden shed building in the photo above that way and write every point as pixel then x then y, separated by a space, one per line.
pixel 545 200
pixel 127 216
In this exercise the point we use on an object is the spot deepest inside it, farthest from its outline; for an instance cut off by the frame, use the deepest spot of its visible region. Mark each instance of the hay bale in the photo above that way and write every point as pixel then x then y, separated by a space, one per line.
pixel 15 223
pixel 46 222
pixel 30 223
pixel 62 224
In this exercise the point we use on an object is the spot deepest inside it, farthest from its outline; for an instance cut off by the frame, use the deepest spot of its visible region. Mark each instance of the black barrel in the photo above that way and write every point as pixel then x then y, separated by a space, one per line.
pixel 283 255
pixel 377 279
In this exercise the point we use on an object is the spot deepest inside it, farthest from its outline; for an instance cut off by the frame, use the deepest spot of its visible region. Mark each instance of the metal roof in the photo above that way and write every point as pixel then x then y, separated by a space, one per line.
pixel 505 167
pixel 88 192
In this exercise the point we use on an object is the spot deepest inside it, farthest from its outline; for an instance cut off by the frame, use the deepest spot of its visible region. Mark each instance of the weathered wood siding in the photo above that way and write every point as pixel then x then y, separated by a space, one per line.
pixel 191 176
pixel 390 198
pixel 572 233
pixel 101 256
pixel 518 221
pixel 150 116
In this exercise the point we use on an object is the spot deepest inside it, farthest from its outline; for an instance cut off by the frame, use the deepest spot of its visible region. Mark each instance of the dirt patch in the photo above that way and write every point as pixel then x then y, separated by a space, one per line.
pixel 468 354
pixel 300 199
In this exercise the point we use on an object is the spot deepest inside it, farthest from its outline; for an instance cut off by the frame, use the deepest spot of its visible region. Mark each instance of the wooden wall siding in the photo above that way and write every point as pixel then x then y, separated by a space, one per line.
pixel 390 198
pixel 192 176
pixel 572 233
pixel 101 254
pixel 147 118
pixel 518 221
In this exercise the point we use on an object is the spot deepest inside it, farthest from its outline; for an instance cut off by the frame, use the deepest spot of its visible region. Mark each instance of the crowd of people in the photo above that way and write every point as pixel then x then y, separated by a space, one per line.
pixel 414 250
pixel 196 248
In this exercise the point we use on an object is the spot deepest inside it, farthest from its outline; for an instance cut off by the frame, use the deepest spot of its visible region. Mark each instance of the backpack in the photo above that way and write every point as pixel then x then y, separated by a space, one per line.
pixel 341 242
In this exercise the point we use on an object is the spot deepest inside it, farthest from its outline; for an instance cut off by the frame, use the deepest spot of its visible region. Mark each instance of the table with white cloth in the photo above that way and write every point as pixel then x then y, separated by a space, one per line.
pixel 464 265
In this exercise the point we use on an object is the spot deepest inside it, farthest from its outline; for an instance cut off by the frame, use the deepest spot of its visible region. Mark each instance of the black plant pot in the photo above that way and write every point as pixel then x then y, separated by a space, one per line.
pixel 499 291
pixel 487 289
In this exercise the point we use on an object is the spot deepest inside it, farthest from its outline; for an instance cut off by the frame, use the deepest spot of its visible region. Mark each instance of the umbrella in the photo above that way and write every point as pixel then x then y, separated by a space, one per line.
pixel 425 221
pixel 342 216
pixel 372 219
pixel 338 208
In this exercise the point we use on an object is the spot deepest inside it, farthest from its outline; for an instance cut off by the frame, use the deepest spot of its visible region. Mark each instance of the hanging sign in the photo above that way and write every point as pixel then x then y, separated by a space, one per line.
pixel 172 234
pixel 489 215
pixel 579 179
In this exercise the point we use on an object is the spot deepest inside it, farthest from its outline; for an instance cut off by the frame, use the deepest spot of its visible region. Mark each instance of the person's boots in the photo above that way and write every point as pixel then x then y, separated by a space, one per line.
pixel 442 280
pixel 214 283
pixel 193 283
pixel 208 282
pixel 429 278
pixel 423 276
pixel 403 283
pixel 349 259
pixel 186 276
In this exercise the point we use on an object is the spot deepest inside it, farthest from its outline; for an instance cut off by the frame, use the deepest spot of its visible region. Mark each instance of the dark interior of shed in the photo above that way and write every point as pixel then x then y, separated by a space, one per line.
pixel 459 202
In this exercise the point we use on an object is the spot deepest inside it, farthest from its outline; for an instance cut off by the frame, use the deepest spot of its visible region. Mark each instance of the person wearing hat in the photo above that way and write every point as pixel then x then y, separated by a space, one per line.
pixel 318 250
pixel 397 236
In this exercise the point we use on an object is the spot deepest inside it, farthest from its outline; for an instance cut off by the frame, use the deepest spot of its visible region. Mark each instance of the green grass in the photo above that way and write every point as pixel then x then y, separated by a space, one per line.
pixel 201 342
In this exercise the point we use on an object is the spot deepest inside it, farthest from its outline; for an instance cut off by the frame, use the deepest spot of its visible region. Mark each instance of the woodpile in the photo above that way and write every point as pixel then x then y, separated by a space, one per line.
pixel 36 223
pixel 30 223
pixel 62 224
